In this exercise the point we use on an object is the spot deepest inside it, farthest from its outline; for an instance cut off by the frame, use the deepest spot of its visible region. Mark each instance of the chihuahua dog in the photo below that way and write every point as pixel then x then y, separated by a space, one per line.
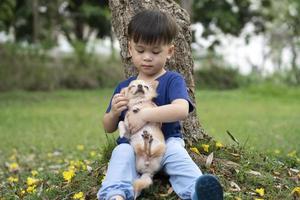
pixel 148 142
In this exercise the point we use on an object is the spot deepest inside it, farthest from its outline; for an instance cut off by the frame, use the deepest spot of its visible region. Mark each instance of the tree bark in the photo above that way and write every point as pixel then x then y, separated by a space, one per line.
pixel 182 62
pixel 35 23
pixel 187 5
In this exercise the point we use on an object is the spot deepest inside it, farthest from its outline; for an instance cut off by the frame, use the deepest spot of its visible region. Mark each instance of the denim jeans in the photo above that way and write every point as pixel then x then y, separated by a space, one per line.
pixel 176 163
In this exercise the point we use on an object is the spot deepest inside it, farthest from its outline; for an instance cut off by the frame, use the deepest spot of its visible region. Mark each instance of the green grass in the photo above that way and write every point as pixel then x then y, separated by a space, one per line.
pixel 54 120
pixel 45 129
pixel 262 118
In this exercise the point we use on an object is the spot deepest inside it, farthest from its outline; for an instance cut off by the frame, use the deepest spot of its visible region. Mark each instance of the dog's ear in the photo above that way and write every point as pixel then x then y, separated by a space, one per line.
pixel 154 84
pixel 124 91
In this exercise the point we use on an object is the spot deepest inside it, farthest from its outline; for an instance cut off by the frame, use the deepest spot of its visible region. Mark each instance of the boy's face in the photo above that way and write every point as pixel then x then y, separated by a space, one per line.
pixel 150 59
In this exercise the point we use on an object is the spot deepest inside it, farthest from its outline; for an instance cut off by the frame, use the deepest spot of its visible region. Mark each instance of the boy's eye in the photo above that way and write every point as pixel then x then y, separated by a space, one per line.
pixel 156 52
pixel 140 51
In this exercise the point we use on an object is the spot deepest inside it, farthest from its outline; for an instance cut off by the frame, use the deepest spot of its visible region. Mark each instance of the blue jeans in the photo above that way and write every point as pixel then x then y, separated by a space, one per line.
pixel 176 163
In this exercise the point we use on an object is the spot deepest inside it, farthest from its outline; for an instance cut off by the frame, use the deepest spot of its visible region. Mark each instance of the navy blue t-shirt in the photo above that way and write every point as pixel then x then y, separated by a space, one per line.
pixel 171 87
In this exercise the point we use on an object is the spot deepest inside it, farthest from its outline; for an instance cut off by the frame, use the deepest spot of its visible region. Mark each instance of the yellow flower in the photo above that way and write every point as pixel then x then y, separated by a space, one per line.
pixel 72 167
pixel 34 172
pixel 23 192
pixel 68 175
pixel 237 198
pixel 205 147
pixel 277 151
pixel 292 154
pixel 260 191
pixel 103 178
pixel 219 145
pixel 13 157
pixel 296 191
pixel 13 167
pixel 31 189
pixel 80 147
pixel 195 150
pixel 79 196
pixel 12 179
pixel 258 199
pixel 92 153
pixel 31 181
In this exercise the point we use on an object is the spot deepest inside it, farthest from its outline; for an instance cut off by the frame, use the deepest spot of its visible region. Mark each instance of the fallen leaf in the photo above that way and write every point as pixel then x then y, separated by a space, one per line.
pixel 255 173
pixel 209 160
pixel 234 187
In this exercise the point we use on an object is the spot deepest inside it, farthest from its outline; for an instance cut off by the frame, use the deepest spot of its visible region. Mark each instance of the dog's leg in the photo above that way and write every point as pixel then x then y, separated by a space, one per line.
pixel 122 129
pixel 142 183
pixel 146 137
pixel 149 147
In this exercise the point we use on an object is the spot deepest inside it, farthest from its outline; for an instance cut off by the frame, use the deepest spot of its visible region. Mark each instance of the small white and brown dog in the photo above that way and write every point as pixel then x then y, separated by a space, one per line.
pixel 148 142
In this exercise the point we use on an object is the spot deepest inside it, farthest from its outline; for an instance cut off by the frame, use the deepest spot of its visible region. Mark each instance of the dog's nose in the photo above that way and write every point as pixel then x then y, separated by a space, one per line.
pixel 140 86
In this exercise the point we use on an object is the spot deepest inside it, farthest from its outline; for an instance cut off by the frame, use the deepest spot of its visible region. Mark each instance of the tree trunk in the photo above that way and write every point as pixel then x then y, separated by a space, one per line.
pixel 187 5
pixel 35 23
pixel 182 62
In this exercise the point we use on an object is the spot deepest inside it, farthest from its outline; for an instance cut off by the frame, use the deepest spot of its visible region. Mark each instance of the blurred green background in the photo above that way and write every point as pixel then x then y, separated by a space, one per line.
pixel 59 63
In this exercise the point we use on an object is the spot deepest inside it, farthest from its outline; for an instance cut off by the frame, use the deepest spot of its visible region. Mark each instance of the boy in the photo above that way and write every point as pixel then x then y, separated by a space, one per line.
pixel 151 34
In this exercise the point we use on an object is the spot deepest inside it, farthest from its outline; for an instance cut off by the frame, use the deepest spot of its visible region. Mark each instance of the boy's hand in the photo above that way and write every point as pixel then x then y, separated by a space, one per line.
pixel 118 104
pixel 135 120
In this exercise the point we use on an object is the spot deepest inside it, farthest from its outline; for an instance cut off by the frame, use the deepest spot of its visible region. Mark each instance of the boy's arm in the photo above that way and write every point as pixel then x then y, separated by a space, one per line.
pixel 110 120
pixel 177 110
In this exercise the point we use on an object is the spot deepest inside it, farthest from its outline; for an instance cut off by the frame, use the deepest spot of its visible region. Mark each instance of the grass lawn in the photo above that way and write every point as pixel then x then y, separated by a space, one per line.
pixel 57 138
pixel 51 120
pixel 260 118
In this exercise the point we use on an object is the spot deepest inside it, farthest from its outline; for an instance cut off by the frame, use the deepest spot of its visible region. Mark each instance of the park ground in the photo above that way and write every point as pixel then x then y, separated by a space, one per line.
pixel 52 144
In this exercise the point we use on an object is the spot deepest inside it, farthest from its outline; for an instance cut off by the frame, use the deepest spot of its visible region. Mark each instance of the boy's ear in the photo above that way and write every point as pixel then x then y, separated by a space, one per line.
pixel 129 48
pixel 170 51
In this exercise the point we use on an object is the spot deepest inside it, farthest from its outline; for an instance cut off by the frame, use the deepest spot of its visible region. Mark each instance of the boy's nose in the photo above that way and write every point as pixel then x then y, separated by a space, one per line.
pixel 147 58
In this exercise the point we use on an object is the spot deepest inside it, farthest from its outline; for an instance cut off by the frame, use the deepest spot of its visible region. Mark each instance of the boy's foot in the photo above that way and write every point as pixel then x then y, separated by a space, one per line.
pixel 208 188
pixel 117 197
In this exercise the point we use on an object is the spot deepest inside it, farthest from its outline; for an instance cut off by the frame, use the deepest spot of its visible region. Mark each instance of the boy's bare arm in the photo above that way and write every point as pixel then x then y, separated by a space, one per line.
pixel 110 122
pixel 111 119
pixel 176 111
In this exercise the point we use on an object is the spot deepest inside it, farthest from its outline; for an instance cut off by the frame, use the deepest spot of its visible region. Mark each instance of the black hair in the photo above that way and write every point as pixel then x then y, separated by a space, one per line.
pixel 152 27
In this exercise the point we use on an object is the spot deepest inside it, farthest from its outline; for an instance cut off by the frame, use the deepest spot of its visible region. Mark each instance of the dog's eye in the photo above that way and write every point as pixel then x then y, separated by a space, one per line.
pixel 130 87
pixel 145 86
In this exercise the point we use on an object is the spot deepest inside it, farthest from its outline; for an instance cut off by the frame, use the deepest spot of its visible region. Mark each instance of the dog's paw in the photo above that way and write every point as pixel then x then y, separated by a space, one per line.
pixel 146 135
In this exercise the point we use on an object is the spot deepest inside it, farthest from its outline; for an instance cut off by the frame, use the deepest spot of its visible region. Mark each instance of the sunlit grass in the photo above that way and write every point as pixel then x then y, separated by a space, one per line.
pixel 260 119
pixel 55 120
pixel 52 145
pixel 264 119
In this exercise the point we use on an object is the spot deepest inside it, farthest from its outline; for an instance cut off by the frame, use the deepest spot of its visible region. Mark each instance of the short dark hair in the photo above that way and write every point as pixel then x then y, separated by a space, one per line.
pixel 152 27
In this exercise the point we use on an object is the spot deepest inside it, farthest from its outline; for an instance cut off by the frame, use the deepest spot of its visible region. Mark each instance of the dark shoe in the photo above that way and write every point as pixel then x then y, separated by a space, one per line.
pixel 208 188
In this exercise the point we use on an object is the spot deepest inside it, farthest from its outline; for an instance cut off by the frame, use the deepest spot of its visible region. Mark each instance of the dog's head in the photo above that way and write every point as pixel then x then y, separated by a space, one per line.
pixel 140 90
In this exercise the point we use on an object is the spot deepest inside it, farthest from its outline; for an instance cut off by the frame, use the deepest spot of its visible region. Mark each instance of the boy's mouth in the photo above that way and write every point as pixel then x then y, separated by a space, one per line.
pixel 146 66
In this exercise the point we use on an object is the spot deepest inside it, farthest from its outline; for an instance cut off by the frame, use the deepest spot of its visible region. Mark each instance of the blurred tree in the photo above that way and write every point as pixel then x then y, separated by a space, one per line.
pixel 187 5
pixel 85 17
pixel 284 32
pixel 230 16
pixel 6 13
pixel 42 20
